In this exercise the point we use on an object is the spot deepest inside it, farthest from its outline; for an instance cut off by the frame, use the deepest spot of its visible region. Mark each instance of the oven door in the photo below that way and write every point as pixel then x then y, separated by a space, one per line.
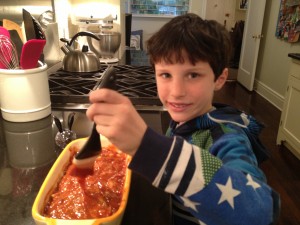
pixel 82 126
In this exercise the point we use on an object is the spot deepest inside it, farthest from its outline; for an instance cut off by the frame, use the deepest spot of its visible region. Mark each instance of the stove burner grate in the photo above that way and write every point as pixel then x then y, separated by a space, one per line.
pixel 136 82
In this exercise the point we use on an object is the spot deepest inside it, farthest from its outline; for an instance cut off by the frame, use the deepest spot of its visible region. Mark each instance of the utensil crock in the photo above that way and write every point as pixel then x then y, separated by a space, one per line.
pixel 24 94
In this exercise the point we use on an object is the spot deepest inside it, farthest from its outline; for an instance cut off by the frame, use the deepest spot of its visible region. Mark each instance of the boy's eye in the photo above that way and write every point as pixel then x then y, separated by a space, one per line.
pixel 194 75
pixel 165 75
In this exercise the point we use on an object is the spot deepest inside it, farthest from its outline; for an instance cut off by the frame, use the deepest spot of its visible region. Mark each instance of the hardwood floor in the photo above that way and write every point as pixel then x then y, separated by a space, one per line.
pixel 282 169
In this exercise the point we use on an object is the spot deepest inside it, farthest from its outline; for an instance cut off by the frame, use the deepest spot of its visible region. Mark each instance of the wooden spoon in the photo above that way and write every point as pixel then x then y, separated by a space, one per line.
pixel 10 25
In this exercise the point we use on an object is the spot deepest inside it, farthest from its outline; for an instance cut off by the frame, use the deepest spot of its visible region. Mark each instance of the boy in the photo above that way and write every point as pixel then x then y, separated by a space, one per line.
pixel 206 161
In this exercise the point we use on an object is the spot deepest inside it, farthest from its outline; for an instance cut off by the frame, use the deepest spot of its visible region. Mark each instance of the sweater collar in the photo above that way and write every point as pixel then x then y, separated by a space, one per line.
pixel 221 114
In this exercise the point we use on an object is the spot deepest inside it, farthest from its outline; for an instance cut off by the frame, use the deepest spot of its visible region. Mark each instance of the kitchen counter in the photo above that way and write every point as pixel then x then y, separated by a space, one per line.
pixel 27 152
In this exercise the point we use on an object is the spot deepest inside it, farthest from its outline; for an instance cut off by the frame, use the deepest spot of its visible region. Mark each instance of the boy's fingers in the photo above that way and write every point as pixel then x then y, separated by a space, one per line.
pixel 106 95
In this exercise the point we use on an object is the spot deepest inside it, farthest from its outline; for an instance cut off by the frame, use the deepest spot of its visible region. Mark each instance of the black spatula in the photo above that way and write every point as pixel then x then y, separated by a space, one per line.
pixel 90 151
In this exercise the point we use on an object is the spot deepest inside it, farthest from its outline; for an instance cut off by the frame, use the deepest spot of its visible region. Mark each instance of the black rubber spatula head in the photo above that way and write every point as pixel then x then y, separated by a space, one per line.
pixel 86 156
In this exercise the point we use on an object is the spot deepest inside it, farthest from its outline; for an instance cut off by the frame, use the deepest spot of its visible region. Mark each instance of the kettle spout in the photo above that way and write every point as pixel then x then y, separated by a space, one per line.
pixel 66 49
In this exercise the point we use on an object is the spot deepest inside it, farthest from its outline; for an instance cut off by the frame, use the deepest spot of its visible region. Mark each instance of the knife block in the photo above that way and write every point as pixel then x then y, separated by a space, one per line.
pixel 24 94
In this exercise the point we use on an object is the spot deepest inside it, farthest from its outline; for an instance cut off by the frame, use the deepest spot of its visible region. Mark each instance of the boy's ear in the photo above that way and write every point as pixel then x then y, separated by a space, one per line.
pixel 221 79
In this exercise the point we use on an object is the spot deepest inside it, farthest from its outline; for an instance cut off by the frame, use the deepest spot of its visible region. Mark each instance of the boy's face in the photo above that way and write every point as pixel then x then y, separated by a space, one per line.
pixel 187 90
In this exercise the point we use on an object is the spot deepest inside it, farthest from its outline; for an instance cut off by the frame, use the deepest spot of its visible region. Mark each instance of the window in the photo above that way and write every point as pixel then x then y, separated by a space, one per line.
pixel 158 7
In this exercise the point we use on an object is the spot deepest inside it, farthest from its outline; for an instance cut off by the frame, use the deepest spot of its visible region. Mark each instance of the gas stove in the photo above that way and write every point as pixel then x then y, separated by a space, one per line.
pixel 71 90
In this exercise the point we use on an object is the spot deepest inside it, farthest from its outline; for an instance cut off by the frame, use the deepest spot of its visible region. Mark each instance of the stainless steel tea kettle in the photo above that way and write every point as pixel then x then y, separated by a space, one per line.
pixel 80 60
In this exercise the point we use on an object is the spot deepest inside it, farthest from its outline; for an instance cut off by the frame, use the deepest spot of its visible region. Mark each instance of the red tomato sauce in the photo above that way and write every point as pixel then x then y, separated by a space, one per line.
pixel 90 193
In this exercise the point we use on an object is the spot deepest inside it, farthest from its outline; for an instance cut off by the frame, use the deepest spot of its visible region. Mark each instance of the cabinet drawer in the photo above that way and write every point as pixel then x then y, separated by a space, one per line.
pixel 295 68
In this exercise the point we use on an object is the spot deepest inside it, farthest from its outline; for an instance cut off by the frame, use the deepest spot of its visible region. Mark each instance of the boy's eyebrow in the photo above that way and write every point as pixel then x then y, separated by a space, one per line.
pixel 161 71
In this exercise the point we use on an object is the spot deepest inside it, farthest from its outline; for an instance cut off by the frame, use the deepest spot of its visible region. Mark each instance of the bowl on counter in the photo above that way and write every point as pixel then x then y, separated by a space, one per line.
pixel 53 179
pixel 108 44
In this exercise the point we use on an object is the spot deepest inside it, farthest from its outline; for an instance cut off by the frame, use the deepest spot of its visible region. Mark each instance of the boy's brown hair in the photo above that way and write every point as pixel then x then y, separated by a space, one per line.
pixel 202 40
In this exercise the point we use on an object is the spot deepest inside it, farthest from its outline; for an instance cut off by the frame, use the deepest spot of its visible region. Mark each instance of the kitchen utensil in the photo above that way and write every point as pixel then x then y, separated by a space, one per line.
pixel 58 124
pixel 64 136
pixel 71 120
pixel 33 29
pixel 107 46
pixel 39 33
pixel 28 25
pixel 15 38
pixel 31 53
pixel 90 151
pixel 4 31
pixel 11 25
pixel 80 60
pixel 8 53
pixel 46 18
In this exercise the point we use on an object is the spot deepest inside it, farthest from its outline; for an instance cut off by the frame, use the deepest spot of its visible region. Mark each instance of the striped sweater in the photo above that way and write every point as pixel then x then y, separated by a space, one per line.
pixel 210 167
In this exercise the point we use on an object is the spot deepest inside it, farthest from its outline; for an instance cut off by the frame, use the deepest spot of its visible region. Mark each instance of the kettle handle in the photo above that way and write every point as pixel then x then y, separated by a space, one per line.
pixel 65 41
pixel 83 33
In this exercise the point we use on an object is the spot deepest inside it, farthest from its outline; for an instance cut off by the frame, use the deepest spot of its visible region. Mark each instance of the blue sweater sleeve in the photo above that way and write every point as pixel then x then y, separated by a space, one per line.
pixel 223 186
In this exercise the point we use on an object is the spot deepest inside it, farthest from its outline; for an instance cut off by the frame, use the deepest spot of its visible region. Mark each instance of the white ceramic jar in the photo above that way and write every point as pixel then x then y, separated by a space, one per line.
pixel 24 94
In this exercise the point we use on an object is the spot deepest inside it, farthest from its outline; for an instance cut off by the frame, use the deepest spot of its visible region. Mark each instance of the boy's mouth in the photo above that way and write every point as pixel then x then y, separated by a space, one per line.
pixel 178 107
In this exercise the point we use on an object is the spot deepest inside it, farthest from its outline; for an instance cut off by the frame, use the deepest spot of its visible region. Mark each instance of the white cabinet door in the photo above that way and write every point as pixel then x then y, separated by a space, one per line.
pixel 251 42
pixel 289 130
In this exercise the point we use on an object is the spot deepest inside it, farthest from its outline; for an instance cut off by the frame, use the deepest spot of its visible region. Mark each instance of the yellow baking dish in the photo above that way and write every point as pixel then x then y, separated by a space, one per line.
pixel 53 178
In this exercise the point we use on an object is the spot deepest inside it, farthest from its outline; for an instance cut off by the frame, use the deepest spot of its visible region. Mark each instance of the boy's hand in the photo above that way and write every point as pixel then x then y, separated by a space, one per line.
pixel 117 119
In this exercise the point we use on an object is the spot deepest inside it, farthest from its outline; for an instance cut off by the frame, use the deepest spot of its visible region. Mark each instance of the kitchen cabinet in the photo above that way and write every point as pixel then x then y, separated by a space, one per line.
pixel 289 128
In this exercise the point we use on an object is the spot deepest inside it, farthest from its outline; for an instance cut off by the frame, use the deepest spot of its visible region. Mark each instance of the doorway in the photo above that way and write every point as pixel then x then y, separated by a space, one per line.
pixel 232 14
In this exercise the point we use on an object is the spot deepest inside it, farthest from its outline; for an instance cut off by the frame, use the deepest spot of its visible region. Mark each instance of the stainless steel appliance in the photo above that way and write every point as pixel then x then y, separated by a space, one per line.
pixel 107 47
pixel 69 92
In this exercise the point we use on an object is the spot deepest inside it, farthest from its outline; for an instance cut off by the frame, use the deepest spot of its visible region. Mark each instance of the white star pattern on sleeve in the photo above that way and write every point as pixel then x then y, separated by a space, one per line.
pixel 252 183
pixel 228 193
pixel 189 204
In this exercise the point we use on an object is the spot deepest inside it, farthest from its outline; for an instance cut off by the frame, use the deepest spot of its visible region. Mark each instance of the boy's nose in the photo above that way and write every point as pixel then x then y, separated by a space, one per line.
pixel 178 88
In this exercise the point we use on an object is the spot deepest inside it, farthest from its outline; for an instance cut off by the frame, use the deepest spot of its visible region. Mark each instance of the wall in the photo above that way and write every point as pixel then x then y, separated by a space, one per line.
pixel 222 11
pixel 67 10
pixel 150 25
pixel 273 62
pixel 12 9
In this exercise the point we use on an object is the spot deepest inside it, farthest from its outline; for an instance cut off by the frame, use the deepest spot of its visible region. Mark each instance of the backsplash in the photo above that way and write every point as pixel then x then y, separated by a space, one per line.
pixel 12 9
pixel 139 58
pixel 159 7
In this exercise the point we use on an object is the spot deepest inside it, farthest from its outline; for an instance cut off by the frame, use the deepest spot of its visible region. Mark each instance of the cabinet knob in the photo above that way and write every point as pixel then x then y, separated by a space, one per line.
pixel 259 36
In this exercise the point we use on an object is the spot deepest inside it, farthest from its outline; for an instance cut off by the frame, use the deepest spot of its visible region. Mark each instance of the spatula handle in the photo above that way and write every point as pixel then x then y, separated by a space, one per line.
pixel 93 145
pixel 108 79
